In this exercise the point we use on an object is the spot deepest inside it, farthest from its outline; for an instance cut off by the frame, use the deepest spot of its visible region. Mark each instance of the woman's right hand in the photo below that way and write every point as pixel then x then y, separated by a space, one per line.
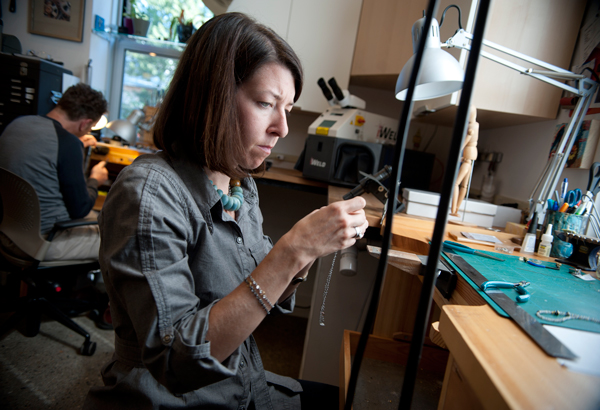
pixel 328 229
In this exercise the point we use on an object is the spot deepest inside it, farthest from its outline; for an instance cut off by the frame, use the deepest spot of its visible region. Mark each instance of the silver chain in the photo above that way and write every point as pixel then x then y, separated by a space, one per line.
pixel 565 316
pixel 322 313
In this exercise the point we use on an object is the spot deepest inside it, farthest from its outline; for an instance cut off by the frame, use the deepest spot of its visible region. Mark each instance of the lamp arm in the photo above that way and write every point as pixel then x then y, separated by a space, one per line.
pixel 585 88
pixel 557 162
pixel 461 40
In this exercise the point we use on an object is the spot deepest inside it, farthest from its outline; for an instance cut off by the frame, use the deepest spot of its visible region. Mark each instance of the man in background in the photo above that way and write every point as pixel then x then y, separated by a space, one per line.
pixel 47 151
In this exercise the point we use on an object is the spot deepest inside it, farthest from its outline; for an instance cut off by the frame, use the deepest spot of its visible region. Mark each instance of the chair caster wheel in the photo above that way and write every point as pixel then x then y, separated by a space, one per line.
pixel 88 348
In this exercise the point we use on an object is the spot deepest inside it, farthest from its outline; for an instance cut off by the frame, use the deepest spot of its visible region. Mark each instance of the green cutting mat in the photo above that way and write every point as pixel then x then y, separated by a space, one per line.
pixel 550 289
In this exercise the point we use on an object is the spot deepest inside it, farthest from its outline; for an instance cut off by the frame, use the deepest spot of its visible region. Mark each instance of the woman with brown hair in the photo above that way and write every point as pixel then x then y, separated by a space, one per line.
pixel 189 272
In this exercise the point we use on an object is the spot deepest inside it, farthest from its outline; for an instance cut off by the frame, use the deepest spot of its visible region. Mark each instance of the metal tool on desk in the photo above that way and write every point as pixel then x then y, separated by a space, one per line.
pixel 592 189
pixel 519 287
pixel 454 246
pixel 594 181
pixel 587 206
pixel 538 263
pixel 550 344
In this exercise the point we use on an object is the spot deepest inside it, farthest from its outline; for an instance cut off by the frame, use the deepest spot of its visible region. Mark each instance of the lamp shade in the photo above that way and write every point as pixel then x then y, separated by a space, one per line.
pixel 440 75
pixel 123 129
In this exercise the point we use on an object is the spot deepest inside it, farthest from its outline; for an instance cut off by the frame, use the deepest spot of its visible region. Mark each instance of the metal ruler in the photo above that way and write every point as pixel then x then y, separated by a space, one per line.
pixel 550 344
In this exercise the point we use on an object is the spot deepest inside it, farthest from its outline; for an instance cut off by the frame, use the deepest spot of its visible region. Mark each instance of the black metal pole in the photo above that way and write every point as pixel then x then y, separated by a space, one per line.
pixel 460 128
pixel 391 206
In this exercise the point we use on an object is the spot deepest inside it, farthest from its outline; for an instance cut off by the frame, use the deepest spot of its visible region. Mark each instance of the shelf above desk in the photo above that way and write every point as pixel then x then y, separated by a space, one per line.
pixel 112 36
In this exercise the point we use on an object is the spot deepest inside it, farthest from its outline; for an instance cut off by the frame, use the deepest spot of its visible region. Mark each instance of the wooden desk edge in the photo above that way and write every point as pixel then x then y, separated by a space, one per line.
pixel 506 369
pixel 292 176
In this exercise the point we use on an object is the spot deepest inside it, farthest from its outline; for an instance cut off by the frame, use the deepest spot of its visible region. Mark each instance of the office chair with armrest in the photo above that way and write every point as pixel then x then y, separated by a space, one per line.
pixel 20 223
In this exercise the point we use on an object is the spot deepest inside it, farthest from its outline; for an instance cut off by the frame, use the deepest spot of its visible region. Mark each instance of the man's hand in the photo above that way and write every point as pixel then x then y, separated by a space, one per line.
pixel 88 140
pixel 99 172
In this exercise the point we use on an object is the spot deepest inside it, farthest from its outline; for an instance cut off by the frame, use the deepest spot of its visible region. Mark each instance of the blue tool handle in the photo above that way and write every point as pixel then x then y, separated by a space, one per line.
pixel 536 264
pixel 496 284
pixel 523 294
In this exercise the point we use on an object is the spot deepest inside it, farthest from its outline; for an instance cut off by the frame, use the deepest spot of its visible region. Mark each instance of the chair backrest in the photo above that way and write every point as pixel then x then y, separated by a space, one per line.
pixel 21 220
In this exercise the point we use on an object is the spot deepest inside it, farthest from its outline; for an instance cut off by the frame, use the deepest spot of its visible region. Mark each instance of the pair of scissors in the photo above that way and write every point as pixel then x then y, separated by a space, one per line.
pixel 573 197
pixel 449 245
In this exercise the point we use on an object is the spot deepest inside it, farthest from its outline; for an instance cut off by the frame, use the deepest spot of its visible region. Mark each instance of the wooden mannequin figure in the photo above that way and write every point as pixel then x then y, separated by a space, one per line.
pixel 468 157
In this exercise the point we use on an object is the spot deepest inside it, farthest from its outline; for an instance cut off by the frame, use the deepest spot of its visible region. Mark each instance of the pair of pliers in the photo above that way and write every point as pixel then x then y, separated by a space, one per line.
pixel 518 286
pixel 449 245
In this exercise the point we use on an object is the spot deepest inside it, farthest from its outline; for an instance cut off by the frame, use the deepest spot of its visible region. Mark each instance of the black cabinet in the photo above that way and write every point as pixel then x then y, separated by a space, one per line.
pixel 27 85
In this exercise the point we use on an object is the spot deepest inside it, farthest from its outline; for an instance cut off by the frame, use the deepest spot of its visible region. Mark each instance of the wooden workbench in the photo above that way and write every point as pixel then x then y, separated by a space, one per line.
pixel 493 363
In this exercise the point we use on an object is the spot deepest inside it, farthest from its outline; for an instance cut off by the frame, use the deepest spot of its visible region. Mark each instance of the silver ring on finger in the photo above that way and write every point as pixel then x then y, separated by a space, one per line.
pixel 359 233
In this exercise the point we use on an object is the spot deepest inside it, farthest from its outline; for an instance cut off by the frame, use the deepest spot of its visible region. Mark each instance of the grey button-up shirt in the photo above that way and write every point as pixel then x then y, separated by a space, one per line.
pixel 168 253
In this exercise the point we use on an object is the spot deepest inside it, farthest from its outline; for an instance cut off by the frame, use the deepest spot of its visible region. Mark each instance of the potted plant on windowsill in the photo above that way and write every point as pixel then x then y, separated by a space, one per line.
pixel 183 28
pixel 140 20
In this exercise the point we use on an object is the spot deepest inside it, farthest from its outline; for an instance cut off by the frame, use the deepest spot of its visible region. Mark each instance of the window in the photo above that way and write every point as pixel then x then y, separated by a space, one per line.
pixel 164 15
pixel 145 78
pixel 144 69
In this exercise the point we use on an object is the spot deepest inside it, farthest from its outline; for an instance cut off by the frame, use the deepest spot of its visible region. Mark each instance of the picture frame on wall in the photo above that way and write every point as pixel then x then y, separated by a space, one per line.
pixel 61 19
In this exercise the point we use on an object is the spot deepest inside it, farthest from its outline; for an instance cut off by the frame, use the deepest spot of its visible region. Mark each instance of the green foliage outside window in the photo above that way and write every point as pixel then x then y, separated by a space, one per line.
pixel 161 14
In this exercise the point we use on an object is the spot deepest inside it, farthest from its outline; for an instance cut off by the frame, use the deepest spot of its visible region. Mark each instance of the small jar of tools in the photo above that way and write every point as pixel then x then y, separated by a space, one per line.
pixel 563 223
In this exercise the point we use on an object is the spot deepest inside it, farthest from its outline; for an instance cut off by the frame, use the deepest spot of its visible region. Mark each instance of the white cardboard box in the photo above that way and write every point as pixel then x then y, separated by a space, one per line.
pixel 506 214
pixel 424 203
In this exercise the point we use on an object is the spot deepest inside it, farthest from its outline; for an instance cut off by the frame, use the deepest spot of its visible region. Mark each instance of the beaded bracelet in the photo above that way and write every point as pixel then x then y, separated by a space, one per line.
pixel 260 294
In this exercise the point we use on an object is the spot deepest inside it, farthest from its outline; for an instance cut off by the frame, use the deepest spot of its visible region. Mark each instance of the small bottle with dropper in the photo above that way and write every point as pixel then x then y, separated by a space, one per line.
pixel 531 236
pixel 546 244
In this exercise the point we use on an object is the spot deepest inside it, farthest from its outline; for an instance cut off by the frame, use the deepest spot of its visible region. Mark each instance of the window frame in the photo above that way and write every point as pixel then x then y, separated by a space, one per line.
pixel 138 46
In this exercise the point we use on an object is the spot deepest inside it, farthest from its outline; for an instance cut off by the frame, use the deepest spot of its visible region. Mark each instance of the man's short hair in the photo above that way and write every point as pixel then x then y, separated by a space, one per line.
pixel 80 101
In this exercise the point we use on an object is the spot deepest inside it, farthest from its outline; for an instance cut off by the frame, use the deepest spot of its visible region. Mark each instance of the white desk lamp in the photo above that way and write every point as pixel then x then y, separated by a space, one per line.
pixel 441 74
pixel 440 77
pixel 127 129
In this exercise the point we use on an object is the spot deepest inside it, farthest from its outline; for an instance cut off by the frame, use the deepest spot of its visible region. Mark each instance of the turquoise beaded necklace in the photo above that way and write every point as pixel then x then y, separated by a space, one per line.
pixel 233 202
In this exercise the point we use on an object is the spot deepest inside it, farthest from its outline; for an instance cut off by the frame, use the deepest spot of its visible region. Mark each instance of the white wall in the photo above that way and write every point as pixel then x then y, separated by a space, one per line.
pixel 73 54
pixel 526 149
pixel 100 49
